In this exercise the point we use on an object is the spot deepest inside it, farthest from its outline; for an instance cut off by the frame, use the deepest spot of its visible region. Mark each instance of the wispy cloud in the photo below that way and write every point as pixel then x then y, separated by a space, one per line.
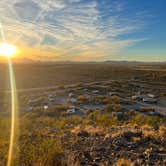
pixel 69 28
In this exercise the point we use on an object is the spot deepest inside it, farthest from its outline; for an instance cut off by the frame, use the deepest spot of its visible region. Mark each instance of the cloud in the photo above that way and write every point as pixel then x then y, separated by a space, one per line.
pixel 70 28
pixel 26 10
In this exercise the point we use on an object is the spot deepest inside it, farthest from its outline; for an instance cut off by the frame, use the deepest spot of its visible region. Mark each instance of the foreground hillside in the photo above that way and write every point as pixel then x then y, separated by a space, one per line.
pixel 46 138
pixel 109 121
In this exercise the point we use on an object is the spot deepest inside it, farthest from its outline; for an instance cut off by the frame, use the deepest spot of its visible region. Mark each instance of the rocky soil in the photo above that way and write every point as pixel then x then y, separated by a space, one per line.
pixel 102 150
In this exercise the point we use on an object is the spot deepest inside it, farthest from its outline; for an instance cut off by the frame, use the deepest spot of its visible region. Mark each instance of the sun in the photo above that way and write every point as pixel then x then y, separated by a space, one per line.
pixel 7 50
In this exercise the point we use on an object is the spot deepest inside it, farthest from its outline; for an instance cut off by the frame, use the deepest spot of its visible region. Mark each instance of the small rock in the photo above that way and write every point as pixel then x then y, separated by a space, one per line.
pixel 83 134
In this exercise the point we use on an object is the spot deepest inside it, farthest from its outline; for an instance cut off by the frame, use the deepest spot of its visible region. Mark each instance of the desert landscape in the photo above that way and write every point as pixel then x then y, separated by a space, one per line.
pixel 88 114
pixel 82 83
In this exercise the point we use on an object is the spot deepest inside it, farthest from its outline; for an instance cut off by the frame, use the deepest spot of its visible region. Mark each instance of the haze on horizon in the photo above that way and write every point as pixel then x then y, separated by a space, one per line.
pixel 85 30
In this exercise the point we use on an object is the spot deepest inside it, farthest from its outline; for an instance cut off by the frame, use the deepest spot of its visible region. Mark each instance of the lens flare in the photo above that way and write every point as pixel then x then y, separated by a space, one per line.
pixel 14 115
pixel 8 50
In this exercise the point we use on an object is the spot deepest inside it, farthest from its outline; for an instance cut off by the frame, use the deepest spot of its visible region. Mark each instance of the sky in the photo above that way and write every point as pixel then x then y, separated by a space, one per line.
pixel 85 30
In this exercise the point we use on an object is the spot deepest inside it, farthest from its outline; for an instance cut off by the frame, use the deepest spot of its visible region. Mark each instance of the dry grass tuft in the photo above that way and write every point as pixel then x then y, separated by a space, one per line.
pixel 148 131
pixel 124 162
pixel 162 131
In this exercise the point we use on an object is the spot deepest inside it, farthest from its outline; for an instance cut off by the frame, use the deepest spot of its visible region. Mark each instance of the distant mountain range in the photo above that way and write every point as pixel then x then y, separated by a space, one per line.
pixel 27 60
pixel 108 62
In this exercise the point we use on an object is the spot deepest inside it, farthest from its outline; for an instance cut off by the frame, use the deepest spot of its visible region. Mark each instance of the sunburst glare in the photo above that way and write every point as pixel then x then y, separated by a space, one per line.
pixel 7 50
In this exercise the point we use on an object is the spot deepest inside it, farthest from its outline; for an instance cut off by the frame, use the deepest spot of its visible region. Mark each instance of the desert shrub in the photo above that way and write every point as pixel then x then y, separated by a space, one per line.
pixel 142 119
pixel 115 99
pixel 152 120
pixel 102 119
pixel 127 102
pixel 4 144
pixel 67 122
pixel 55 111
pixel 117 107
pixel 113 108
pixel 106 121
pixel 106 100
pixel 40 151
pixel 163 94
pixel 81 99
pixel 46 121
pixel 4 127
pixel 91 100
pixel 108 108
pixel 93 115
pixel 61 87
